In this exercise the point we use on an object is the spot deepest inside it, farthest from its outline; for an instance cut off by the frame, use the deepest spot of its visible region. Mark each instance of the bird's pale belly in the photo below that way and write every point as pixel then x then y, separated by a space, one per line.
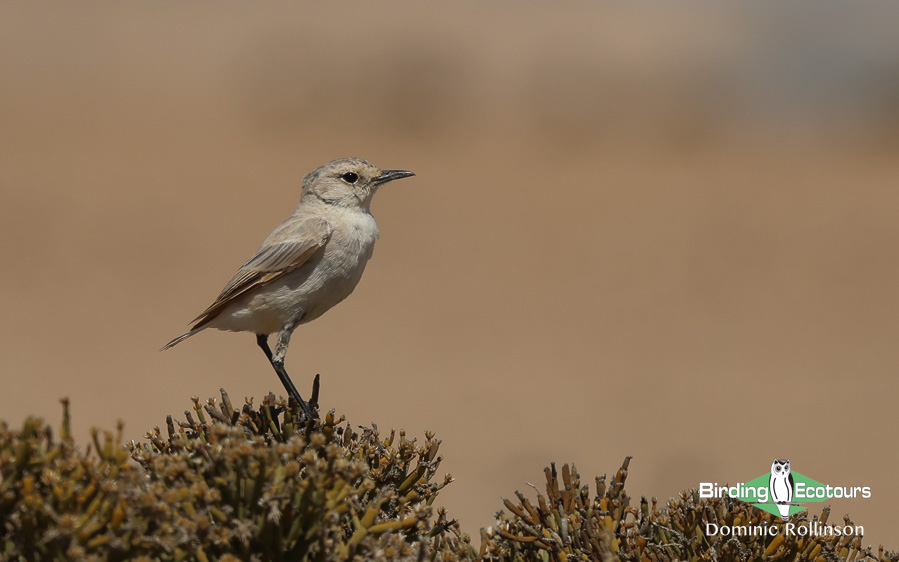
pixel 299 297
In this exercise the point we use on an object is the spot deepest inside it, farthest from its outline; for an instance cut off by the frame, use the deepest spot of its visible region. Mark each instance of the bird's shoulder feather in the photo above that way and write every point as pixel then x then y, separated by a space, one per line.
pixel 287 248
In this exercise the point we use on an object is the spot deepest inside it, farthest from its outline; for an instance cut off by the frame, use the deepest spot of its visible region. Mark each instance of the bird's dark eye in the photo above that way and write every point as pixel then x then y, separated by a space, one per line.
pixel 350 177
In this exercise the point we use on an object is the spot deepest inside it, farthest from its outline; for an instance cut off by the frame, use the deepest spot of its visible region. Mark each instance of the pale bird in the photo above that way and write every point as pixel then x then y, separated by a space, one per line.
pixel 308 264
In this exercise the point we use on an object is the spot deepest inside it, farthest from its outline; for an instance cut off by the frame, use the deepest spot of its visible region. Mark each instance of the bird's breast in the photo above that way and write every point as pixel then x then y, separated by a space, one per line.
pixel 342 264
pixel 352 241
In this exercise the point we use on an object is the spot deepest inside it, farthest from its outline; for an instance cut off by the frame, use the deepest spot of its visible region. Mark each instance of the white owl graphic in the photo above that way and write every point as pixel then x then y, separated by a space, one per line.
pixel 781 486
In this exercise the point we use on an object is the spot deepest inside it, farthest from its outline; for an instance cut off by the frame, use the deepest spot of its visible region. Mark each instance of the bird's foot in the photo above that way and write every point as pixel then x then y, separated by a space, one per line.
pixel 292 392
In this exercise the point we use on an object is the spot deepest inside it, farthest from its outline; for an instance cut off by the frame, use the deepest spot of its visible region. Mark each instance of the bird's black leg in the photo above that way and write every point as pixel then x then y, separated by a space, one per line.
pixel 262 341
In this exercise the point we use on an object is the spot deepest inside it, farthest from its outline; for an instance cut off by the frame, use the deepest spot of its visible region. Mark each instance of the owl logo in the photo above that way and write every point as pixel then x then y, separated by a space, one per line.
pixel 780 485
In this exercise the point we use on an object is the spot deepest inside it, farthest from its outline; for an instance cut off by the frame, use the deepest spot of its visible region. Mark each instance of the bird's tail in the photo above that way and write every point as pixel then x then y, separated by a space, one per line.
pixel 179 339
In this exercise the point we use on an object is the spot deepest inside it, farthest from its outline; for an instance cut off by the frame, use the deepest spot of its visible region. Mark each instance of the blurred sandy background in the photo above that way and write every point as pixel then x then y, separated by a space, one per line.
pixel 666 232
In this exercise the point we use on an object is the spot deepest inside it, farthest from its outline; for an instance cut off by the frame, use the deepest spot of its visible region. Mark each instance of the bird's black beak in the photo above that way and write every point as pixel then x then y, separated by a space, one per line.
pixel 390 175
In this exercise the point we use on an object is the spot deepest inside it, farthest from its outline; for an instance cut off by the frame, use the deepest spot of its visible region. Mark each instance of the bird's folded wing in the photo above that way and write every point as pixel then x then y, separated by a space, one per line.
pixel 286 249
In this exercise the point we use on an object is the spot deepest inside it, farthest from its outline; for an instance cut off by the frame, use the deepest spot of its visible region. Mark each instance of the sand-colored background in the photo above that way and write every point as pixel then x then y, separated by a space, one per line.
pixel 666 232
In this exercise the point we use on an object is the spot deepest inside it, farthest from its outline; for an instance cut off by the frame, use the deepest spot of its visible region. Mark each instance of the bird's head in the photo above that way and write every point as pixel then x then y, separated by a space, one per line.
pixel 348 182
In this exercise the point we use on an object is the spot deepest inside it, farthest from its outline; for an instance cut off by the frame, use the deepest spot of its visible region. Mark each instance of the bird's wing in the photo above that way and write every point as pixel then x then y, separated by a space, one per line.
pixel 286 249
